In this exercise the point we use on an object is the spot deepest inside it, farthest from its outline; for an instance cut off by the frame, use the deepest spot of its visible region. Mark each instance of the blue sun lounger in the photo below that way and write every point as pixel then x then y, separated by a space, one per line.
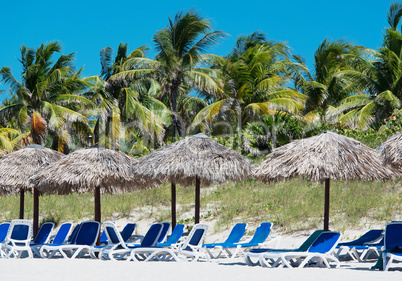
pixel 61 237
pixel 127 231
pixel 82 241
pixel 3 233
pixel 320 253
pixel 174 238
pixel 258 240
pixel 392 244
pixel 125 234
pixel 360 248
pixel 253 256
pixel 117 249
pixel 18 239
pixel 234 237
pixel 45 250
pixel 42 237
pixel 190 250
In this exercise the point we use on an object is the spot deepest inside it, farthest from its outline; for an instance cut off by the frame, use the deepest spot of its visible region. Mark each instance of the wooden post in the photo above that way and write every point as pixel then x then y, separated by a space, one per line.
pixel 173 210
pixel 97 209
pixel 97 204
pixel 326 208
pixel 35 211
pixel 21 204
pixel 197 200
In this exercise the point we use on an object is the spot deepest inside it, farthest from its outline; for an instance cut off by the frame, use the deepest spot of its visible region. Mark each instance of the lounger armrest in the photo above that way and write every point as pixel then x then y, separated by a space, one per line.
pixel 13 242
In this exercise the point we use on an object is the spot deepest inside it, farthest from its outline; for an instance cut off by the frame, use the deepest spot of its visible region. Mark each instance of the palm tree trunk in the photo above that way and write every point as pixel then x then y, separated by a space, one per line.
pixel 176 124
pixel 96 131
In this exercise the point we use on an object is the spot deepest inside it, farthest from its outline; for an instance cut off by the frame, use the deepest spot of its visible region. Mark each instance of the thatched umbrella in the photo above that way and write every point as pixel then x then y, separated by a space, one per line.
pixel 391 151
pixel 94 169
pixel 322 158
pixel 17 167
pixel 196 160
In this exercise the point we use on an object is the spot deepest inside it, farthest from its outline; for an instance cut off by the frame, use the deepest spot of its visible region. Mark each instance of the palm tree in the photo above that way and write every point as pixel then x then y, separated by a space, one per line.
pixel 10 139
pixel 253 78
pixel 45 101
pixel 121 102
pixel 380 80
pixel 178 64
pixel 324 87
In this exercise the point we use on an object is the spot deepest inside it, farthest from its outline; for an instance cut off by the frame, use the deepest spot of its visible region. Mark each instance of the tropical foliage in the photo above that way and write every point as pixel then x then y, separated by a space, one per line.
pixel 255 98
pixel 46 101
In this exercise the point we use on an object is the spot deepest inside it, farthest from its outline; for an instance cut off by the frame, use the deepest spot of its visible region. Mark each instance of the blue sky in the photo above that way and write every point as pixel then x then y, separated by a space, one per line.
pixel 85 27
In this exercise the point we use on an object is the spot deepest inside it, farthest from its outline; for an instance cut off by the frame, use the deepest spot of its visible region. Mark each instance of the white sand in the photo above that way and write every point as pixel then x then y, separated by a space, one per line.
pixel 88 270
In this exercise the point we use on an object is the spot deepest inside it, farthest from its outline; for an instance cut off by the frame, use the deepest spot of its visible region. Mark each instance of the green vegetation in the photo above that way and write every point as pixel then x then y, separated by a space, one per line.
pixel 291 206
pixel 257 97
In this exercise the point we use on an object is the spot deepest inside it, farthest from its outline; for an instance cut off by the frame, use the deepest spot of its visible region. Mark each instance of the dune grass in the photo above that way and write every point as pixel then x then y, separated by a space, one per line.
pixel 291 206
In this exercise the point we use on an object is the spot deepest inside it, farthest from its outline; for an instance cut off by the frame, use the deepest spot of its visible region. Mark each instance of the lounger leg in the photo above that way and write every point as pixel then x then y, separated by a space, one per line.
pixel 249 261
pixel 285 262
pixel 354 254
pixel 237 250
pixel 386 264
pixel 263 262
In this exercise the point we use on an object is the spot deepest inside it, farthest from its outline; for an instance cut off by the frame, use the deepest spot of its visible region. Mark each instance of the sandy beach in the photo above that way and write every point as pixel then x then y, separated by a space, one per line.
pixel 88 270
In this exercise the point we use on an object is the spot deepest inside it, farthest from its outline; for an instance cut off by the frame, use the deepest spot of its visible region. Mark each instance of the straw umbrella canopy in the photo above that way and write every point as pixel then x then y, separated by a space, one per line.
pixel 324 157
pixel 391 151
pixel 17 167
pixel 196 160
pixel 94 169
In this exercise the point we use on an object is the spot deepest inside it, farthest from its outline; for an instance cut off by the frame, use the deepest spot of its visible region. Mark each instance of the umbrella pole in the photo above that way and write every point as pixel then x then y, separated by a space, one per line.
pixel 22 204
pixel 35 211
pixel 97 209
pixel 197 199
pixel 97 204
pixel 326 208
pixel 173 210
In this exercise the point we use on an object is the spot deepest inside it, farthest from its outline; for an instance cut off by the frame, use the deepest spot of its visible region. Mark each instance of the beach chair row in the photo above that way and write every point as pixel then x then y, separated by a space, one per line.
pixel 322 248
pixel 80 241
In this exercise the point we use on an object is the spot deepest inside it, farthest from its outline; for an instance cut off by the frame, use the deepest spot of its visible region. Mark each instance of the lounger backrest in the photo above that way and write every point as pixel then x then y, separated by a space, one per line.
pixel 128 231
pixel 103 238
pixel 20 231
pixel 196 236
pixel 177 233
pixel 325 242
pixel 113 235
pixel 307 244
pixel 3 230
pixel 63 232
pixel 237 233
pixel 73 236
pixel 164 232
pixel 370 236
pixel 88 233
pixel 393 236
pixel 152 236
pixel 44 233
pixel 262 232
